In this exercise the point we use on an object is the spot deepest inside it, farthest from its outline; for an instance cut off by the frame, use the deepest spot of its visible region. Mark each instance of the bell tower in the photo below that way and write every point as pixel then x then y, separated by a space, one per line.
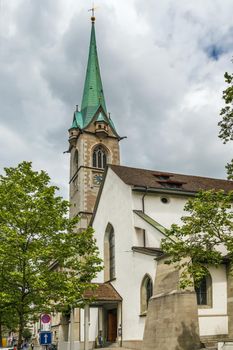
pixel 94 141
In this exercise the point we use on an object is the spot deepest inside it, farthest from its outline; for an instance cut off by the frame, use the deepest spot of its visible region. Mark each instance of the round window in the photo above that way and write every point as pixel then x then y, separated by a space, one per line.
pixel 164 200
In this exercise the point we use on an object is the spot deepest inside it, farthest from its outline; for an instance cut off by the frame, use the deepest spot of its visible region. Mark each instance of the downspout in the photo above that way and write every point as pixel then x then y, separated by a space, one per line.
pixel 143 199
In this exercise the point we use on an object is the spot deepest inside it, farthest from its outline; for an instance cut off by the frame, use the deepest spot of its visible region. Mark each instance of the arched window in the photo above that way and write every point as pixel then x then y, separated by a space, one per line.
pixel 204 291
pixel 75 162
pixel 99 158
pixel 146 293
pixel 112 255
pixel 109 254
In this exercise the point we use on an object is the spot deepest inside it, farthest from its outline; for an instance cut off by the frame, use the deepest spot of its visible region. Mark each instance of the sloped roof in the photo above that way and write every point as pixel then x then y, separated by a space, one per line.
pixel 153 179
pixel 103 292
pixel 150 221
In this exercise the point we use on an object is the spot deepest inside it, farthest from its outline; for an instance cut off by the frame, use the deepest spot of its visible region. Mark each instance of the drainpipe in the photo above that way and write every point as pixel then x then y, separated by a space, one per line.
pixel 143 199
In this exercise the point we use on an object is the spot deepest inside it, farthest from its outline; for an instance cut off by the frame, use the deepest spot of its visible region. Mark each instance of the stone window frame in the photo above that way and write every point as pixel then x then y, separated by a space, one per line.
pixel 109 254
pixel 146 292
pixel 99 157
pixel 204 293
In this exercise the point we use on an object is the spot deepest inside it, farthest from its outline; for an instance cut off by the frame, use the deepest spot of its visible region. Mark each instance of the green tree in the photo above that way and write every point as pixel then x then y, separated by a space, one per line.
pixel 45 263
pixel 207 226
pixel 27 334
pixel 209 221
pixel 226 124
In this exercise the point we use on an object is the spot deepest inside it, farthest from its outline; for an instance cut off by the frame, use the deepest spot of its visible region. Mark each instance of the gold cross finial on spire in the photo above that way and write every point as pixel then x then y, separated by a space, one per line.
pixel 93 12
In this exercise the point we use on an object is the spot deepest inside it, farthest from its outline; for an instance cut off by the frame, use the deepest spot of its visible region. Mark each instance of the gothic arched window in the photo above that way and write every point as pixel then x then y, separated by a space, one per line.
pixel 99 158
pixel 74 163
pixel 204 291
pixel 109 253
pixel 146 293
pixel 76 160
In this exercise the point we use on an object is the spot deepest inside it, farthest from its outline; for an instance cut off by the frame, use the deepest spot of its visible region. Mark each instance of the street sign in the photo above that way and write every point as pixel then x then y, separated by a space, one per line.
pixel 45 318
pixel 45 338
pixel 45 323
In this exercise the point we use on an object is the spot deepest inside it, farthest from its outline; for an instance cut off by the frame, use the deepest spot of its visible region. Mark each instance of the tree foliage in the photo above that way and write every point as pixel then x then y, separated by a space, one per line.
pixel 226 124
pixel 27 334
pixel 205 235
pixel 44 262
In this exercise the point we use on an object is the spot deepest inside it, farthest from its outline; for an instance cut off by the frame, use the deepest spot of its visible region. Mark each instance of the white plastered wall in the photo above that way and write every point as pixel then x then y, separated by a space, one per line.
pixel 164 214
pixel 116 207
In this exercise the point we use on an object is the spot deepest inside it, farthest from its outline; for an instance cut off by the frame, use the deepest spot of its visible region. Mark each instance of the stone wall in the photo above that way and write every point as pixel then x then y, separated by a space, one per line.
pixel 172 318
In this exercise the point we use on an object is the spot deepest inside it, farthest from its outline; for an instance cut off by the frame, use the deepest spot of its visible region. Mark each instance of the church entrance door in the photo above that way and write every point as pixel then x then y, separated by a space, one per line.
pixel 112 325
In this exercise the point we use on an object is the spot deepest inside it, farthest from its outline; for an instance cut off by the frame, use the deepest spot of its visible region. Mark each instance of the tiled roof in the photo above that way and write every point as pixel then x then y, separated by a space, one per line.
pixel 103 292
pixel 169 181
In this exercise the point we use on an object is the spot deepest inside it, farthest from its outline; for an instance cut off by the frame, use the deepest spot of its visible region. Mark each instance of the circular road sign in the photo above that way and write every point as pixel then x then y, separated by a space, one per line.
pixel 45 318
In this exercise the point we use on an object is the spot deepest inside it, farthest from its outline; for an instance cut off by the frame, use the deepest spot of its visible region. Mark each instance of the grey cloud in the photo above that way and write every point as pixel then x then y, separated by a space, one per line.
pixel 153 62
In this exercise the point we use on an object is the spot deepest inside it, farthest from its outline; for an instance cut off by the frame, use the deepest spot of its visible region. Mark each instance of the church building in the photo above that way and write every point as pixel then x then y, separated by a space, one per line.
pixel 130 209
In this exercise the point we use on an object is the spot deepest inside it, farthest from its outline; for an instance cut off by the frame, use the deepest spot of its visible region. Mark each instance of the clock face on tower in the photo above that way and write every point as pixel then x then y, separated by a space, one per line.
pixel 97 178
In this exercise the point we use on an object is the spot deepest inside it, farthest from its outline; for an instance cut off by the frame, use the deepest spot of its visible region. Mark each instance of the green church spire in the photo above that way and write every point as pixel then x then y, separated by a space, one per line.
pixel 93 94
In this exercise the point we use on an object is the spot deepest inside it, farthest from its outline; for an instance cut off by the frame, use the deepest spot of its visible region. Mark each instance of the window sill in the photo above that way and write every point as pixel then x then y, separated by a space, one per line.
pixel 204 306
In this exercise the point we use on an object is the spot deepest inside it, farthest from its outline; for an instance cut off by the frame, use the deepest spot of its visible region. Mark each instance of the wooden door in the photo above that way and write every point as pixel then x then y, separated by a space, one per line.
pixel 112 325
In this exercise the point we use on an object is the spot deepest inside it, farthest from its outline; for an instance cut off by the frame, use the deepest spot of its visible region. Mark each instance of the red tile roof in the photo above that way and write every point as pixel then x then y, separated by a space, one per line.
pixel 103 292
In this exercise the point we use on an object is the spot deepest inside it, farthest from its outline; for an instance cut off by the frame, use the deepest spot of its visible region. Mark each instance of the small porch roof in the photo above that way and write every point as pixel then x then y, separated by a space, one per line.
pixel 104 292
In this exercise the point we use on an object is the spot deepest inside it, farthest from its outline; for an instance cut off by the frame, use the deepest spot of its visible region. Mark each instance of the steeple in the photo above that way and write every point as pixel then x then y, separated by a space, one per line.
pixel 94 141
pixel 93 101
pixel 93 94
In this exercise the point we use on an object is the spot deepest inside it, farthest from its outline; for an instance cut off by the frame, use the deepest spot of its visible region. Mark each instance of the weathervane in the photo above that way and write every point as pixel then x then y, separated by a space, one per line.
pixel 93 12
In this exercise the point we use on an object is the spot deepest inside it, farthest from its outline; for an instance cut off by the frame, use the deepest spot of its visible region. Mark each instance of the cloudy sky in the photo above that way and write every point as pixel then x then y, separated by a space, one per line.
pixel 162 66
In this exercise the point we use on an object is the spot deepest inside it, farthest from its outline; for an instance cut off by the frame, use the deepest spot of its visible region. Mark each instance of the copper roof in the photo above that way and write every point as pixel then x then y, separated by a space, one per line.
pixel 103 292
pixel 169 181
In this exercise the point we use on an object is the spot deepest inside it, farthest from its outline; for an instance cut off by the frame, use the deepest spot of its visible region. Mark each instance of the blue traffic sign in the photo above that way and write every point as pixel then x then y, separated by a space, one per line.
pixel 45 338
